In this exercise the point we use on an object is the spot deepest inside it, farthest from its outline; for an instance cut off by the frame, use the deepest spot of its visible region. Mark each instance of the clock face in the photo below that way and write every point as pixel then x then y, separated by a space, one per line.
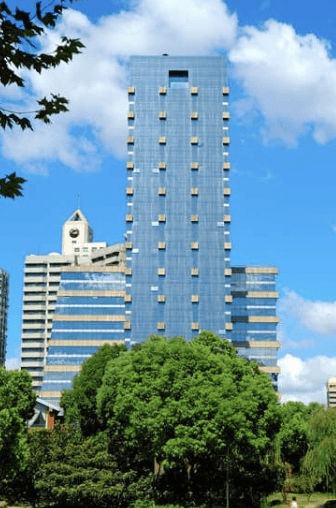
pixel 74 232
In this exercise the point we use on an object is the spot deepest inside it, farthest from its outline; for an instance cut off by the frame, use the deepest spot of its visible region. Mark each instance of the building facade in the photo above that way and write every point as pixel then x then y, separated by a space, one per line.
pixel 331 391
pixel 90 312
pixel 4 288
pixel 254 316
pixel 174 271
pixel 178 194
pixel 41 282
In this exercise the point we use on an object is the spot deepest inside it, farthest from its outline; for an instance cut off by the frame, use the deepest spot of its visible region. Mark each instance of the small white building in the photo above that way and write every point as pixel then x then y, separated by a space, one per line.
pixel 331 391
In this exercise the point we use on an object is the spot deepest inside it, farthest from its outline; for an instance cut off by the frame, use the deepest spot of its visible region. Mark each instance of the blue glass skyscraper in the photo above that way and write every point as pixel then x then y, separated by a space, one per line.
pixel 178 218
pixel 178 278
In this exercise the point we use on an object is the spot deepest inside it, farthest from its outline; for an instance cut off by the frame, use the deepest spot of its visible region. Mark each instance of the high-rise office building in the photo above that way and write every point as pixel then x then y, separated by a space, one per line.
pixel 177 279
pixel 4 283
pixel 178 193
pixel 41 281
pixel 254 317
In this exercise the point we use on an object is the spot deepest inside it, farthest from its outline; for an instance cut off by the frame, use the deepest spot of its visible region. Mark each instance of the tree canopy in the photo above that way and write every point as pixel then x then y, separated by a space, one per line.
pixel 20 50
pixel 17 401
pixel 82 473
pixel 80 403
pixel 199 411
pixel 320 460
pixel 293 436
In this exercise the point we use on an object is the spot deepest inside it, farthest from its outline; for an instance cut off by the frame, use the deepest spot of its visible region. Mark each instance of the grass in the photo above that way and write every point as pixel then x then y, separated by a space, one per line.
pixel 303 500
pixel 316 500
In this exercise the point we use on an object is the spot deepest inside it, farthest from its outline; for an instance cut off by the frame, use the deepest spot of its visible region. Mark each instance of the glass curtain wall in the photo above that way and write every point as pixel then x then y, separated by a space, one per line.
pixel 254 317
pixel 178 218
pixel 90 312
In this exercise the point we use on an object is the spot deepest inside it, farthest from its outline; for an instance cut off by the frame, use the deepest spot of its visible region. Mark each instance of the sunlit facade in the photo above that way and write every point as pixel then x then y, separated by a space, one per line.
pixel 42 276
pixel 254 316
pixel 90 312
pixel 173 276
pixel 178 197
pixel 331 391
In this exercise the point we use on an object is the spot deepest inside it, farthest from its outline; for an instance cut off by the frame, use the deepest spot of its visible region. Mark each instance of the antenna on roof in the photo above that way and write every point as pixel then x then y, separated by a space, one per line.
pixel 78 201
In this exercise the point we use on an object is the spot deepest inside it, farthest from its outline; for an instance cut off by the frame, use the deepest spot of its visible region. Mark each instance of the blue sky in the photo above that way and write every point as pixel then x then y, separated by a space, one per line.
pixel 282 74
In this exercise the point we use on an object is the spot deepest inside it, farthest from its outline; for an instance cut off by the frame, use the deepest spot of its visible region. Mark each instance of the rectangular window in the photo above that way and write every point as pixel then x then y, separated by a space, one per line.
pixel 178 79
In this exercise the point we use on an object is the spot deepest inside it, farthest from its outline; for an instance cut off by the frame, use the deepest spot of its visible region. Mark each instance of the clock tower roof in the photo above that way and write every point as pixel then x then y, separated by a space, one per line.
pixel 76 233
pixel 77 216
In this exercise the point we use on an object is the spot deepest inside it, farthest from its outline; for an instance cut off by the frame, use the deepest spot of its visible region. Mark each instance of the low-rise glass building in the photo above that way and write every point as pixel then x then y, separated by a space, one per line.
pixel 254 317
pixel 90 312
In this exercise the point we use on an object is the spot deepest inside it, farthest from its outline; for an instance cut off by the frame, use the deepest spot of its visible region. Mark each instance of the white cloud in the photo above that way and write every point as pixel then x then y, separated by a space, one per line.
pixel 316 316
pixel 305 380
pixel 95 82
pixel 289 78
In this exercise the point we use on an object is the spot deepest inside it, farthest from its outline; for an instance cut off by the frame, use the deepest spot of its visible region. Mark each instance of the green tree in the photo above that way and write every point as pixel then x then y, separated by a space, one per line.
pixel 320 460
pixel 293 435
pixel 17 401
pixel 207 416
pixel 80 404
pixel 83 473
pixel 20 42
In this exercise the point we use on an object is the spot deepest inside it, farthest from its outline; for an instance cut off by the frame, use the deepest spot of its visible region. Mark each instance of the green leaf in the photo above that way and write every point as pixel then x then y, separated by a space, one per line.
pixel 11 186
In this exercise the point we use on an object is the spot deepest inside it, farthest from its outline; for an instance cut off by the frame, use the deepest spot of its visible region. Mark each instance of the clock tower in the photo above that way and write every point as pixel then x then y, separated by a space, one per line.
pixel 76 233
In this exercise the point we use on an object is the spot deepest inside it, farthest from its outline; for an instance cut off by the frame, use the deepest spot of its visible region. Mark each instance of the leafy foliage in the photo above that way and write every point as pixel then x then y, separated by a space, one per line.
pixel 16 392
pixel 84 473
pixel 306 483
pixel 11 185
pixel 293 435
pixel 21 32
pixel 19 43
pixel 202 412
pixel 320 460
pixel 17 401
pixel 80 405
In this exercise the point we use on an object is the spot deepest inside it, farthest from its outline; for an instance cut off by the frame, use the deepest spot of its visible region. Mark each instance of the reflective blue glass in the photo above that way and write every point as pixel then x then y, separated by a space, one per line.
pixel 83 326
pixel 188 92
pixel 67 358
pixel 246 328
